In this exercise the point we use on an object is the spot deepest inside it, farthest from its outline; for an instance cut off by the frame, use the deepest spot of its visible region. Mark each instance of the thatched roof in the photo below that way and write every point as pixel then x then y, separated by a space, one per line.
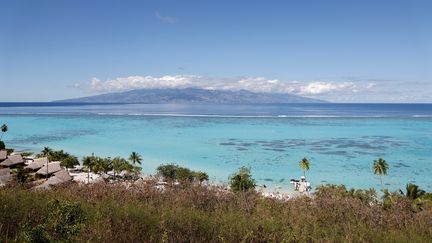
pixel 5 176
pixel 52 168
pixel 58 178
pixel 3 155
pixel 12 160
pixel 37 163
pixel 62 175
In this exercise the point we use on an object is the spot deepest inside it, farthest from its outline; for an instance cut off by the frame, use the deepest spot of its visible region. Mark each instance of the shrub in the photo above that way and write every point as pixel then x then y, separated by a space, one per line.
pixel 184 174
pixel 172 172
pixel 201 176
pixel 21 175
pixel 167 171
pixel 69 162
pixel 64 221
pixel 242 180
pixel 2 145
pixel 112 213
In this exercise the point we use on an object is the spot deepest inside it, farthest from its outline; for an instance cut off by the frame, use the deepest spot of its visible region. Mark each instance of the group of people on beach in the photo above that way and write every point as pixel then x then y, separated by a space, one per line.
pixel 302 185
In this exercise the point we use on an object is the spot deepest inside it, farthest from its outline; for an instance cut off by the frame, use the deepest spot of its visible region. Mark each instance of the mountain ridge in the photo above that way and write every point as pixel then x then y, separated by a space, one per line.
pixel 192 96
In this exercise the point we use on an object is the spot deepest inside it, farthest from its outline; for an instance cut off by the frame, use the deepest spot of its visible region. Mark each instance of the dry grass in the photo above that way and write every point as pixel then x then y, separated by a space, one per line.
pixel 196 214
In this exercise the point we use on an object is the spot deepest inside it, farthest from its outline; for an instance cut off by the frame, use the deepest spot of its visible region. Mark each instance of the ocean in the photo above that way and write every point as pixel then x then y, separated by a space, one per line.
pixel 340 140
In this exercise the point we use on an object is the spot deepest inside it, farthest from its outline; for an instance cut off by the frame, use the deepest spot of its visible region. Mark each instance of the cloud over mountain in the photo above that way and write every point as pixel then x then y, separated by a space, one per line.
pixel 253 84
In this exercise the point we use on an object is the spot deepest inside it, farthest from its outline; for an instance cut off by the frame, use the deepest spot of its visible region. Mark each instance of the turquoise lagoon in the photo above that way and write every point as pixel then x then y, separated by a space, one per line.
pixel 340 141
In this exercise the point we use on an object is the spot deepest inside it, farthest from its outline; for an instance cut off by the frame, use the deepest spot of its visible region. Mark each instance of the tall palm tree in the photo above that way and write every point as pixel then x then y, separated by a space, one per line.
pixel 46 151
pixel 304 164
pixel 4 129
pixel 88 161
pixel 135 158
pixel 380 168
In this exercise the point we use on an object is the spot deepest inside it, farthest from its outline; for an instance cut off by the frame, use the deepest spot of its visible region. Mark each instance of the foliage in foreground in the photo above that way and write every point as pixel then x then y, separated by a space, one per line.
pixel 194 213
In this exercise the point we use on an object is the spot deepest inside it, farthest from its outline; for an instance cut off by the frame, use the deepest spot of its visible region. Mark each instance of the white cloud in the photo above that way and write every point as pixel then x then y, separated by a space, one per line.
pixel 165 19
pixel 254 84
pixel 315 88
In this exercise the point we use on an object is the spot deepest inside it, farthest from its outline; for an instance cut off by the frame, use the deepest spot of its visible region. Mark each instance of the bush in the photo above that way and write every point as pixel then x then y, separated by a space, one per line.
pixel 242 180
pixel 168 171
pixel 112 213
pixel 184 174
pixel 21 175
pixel 173 172
pixel 201 176
pixel 63 222
pixel 2 145
pixel 69 162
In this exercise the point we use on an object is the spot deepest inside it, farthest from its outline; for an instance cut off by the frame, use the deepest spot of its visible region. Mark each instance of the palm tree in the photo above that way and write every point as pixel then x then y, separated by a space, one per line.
pixel 380 168
pixel 46 151
pixel 413 191
pixel 88 161
pixel 4 129
pixel 119 164
pixel 135 158
pixel 304 164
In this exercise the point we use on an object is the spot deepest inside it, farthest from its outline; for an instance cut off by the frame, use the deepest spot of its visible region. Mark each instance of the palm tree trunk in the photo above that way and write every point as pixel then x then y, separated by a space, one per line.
pixel 382 187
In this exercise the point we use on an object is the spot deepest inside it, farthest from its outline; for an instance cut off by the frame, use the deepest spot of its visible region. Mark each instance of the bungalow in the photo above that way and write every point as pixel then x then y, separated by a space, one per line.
pixel 48 169
pixel 58 178
pixel 13 161
pixel 37 164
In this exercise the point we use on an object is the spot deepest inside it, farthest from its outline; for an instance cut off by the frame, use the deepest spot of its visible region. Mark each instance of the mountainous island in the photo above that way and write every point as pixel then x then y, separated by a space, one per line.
pixel 192 96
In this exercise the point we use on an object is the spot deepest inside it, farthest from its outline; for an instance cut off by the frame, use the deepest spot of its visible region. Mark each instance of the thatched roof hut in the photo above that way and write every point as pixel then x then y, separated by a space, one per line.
pixel 12 161
pixel 63 175
pixel 37 163
pixel 52 168
pixel 3 155
pixel 58 178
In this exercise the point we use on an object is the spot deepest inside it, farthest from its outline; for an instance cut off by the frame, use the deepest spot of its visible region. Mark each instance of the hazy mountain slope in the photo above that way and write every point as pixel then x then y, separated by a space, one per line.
pixel 192 95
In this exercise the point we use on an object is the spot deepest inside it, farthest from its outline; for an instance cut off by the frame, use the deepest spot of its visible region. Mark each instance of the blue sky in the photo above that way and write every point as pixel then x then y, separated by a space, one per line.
pixel 342 51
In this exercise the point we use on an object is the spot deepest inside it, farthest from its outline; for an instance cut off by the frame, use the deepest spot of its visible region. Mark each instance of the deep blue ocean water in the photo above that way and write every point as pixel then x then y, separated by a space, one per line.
pixel 340 140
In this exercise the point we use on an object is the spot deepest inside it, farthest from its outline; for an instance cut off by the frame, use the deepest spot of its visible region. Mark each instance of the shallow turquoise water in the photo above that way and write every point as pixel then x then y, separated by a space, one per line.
pixel 341 150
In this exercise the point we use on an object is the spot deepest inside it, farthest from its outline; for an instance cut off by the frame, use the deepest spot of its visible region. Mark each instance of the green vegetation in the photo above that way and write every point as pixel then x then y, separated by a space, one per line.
pixel 304 164
pixel 413 191
pixel 4 128
pixel 26 154
pixel 191 212
pixel 2 145
pixel 63 222
pixel 201 176
pixel 194 213
pixel 21 175
pixel 66 160
pixel 99 165
pixel 135 158
pixel 380 168
pixel 242 180
pixel 171 172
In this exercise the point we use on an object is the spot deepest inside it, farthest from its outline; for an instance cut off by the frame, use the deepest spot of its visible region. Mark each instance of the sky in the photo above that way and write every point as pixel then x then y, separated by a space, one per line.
pixel 340 51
